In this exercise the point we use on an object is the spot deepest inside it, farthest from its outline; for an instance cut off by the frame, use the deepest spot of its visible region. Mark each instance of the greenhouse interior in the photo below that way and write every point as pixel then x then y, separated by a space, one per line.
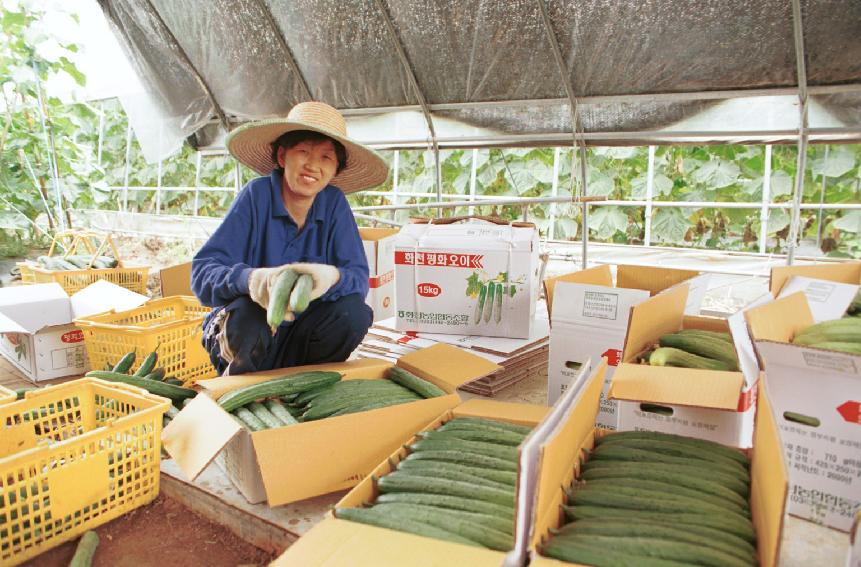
pixel 230 327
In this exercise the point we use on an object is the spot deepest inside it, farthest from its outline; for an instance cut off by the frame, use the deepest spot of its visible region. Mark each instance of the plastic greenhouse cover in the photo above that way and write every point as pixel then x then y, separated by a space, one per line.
pixel 467 52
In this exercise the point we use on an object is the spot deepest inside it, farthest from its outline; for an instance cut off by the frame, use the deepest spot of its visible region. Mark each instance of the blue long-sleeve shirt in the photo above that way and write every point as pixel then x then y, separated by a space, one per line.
pixel 258 232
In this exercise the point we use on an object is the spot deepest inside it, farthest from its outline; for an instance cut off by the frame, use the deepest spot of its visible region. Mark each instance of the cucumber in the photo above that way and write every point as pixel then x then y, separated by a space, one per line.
pixel 374 518
pixel 499 437
pixel 264 415
pixel 79 262
pixel 695 471
pixel 408 380
pixel 442 467
pixel 727 452
pixel 620 453
pixel 277 387
pixel 336 408
pixel 86 550
pixel 585 554
pixel 468 528
pixel 374 405
pixel 399 482
pixel 698 535
pixel 468 459
pixel 702 345
pixel 157 374
pixel 669 478
pixel 658 549
pixel 847 330
pixel 448 502
pixel 440 443
pixel 300 297
pixel 367 391
pixel 504 525
pixel 20 393
pixel 488 312
pixel 303 398
pixel 668 447
pixel 148 364
pixel 174 381
pixel 482 423
pixel 249 420
pixel 726 337
pixel 278 297
pixel 125 363
pixel 280 412
pixel 479 306
pixel 454 473
pixel 851 348
pixel 497 310
pixel 175 393
pixel 668 356
pixel 656 489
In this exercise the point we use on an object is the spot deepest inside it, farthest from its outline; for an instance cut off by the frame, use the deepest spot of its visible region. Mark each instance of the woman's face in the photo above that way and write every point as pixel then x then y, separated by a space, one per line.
pixel 308 166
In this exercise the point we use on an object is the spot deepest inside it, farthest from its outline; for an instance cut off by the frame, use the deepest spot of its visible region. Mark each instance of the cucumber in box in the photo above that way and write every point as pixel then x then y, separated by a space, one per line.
pixel 470 278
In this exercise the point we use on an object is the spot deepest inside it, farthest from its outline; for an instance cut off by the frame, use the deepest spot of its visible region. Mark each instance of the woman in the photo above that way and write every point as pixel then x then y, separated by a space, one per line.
pixel 295 216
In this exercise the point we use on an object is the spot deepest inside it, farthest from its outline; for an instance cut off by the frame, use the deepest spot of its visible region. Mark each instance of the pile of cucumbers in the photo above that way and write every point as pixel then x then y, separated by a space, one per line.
pixel 843 335
pixel 694 348
pixel 647 498
pixel 310 396
pixel 76 262
pixel 456 484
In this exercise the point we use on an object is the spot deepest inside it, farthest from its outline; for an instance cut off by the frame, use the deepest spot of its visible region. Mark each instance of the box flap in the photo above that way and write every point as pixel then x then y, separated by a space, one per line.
pixel 354 444
pixel 780 319
pixel 561 452
pixel 676 386
pixel 747 361
pixel 101 296
pixel 447 366
pixel 364 368
pixel 374 234
pixel 769 482
pixel 650 278
pixel 176 280
pixel 341 543
pixel 843 272
pixel 827 300
pixel 585 306
pixel 524 414
pixel 36 306
pixel 197 434
pixel 654 317
pixel 7 325
pixel 600 275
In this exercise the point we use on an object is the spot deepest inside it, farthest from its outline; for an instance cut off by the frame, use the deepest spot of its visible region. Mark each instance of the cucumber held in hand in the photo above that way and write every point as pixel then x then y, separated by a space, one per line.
pixel 300 297
pixel 278 297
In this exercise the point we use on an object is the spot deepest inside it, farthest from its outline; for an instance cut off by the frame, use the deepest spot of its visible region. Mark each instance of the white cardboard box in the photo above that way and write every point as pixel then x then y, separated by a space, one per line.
pixel 379 246
pixel 36 330
pixel 589 320
pixel 447 274
pixel 823 455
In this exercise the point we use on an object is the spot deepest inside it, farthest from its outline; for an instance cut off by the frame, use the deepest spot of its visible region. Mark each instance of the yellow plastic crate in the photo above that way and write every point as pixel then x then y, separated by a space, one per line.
pixel 7 395
pixel 72 457
pixel 132 278
pixel 173 324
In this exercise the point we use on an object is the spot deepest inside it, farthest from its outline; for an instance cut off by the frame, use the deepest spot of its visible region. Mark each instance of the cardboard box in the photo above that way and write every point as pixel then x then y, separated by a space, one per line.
pixel 713 405
pixel 853 556
pixel 308 459
pixel 380 250
pixel 176 280
pixel 824 462
pixel 589 319
pixel 842 272
pixel 441 270
pixel 36 330
pixel 560 460
pixel 335 542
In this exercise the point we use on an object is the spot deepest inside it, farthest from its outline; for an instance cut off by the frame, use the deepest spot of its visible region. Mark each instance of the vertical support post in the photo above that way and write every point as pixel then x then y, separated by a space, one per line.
pixel 49 147
pixel 158 188
pixel 650 195
pixel 765 211
pixel 127 166
pixel 197 184
pixel 554 192
pixel 438 170
pixel 101 137
pixel 237 177
pixel 795 223
pixel 396 181
pixel 821 202
pixel 584 184
pixel 472 179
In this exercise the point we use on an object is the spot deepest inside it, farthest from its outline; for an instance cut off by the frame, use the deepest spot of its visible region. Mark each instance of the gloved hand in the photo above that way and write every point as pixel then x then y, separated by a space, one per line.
pixel 324 276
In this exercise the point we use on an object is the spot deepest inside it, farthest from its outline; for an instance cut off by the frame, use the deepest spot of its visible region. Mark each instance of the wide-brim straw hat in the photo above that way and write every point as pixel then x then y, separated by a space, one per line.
pixel 251 144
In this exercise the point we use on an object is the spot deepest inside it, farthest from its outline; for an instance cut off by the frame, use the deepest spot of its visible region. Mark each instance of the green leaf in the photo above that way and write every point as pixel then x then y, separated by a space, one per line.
pixel 717 173
pixel 850 222
pixel 670 225
pixel 605 221
pixel 566 228
pixel 781 183
pixel 599 184
pixel 778 219
pixel 838 162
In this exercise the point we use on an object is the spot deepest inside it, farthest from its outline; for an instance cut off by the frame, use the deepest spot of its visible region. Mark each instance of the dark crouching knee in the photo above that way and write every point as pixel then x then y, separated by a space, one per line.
pixel 354 318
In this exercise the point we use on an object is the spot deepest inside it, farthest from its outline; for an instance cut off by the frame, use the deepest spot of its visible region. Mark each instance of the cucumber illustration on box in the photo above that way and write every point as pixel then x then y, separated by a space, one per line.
pixel 491 296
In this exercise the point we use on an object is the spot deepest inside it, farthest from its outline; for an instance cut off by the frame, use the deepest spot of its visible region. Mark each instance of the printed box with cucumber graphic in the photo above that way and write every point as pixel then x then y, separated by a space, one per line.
pixel 475 278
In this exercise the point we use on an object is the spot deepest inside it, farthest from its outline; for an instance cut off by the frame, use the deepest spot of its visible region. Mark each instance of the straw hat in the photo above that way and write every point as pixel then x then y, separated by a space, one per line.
pixel 252 145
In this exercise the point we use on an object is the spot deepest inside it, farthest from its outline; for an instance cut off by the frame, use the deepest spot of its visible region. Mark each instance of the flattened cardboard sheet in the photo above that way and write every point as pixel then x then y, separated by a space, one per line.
pixel 447 366
pixel 195 446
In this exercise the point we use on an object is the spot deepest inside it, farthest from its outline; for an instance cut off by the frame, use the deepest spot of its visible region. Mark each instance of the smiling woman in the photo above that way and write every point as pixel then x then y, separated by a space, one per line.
pixel 293 225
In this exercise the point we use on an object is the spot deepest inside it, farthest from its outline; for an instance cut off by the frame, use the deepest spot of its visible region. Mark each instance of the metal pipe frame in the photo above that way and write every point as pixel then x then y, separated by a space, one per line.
pixel 795 223
pixel 184 56
pixel 291 59
pixel 411 76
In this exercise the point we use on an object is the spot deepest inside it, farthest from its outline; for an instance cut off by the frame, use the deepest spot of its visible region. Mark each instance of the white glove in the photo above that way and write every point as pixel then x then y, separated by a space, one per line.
pixel 324 276
pixel 261 281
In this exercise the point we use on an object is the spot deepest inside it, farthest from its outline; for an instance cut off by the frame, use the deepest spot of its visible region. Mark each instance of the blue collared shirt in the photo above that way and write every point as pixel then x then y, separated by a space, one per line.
pixel 258 232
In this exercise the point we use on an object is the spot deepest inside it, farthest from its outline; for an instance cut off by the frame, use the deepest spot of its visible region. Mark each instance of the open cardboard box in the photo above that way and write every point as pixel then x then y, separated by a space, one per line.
pixel 299 461
pixel 379 246
pixel 335 542
pixel 824 387
pixel 560 460
pixel 715 405
pixel 842 272
pixel 589 319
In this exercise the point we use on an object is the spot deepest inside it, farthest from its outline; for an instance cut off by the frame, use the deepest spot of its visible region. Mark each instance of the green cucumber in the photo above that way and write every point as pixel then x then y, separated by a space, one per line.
pixel 668 447
pixel 399 482
pixel 157 374
pixel 487 436
pixel 374 405
pixel 501 524
pixel 125 363
pixel 468 459
pixel 483 423
pixel 382 520
pixel 454 473
pixel 86 550
pixel 727 452
pixel 702 345
pixel 479 306
pixel 279 411
pixel 277 387
pixel 658 549
pixel 339 407
pixel 453 521
pixel 442 468
pixel 584 554
pixel 264 415
pixel 428 443
pixel 278 297
pixel 249 420
pixel 491 289
pixel 655 488
pixel 695 471
pixel 497 310
pixel 418 385
pixel 620 453
pixel 668 356
pixel 175 393
pixel 448 502
pixel 300 297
